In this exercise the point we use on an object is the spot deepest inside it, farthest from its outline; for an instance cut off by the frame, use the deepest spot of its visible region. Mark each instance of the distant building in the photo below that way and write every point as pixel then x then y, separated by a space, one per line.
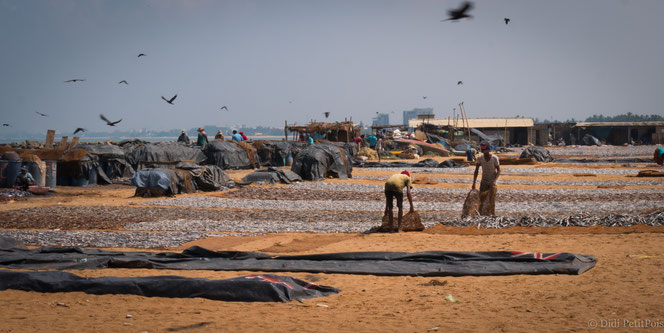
pixel 381 119
pixel 412 114
pixel 513 130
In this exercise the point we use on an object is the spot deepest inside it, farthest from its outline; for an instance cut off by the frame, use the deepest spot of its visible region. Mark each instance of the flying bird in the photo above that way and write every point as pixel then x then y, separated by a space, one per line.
pixel 75 80
pixel 108 122
pixel 327 114
pixel 507 20
pixel 169 101
pixel 123 81
pixel 41 114
pixel 79 129
pixel 459 13
pixel 6 125
pixel 424 97
pixel 459 83
pixel 224 108
pixel 141 55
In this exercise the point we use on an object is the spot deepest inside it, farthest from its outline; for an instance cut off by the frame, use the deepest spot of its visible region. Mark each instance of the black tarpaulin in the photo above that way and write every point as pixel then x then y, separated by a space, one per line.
pixel 540 154
pixel 253 288
pixel 320 161
pixel 164 154
pixel 430 263
pixel 208 177
pixel 111 159
pixel 227 155
pixel 272 176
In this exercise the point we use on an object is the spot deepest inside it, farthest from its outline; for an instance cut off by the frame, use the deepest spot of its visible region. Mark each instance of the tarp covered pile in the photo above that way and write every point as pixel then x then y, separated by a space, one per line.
pixel 325 160
pixel 540 154
pixel 164 154
pixel 227 155
pixel 272 176
pixel 111 159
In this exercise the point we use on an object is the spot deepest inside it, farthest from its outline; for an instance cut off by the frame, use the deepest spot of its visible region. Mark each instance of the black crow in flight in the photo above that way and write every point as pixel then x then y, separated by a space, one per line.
pixel 224 108
pixel 141 55
pixel 169 101
pixel 75 80
pixel 459 83
pixel 459 13
pixel 123 81
pixel 507 20
pixel 79 129
pixel 327 114
pixel 41 114
pixel 108 122
pixel 6 125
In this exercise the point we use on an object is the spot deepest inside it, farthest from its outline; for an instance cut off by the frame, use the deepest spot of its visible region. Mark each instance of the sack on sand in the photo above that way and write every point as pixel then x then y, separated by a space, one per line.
pixel 472 204
pixel 411 222
pixel 488 201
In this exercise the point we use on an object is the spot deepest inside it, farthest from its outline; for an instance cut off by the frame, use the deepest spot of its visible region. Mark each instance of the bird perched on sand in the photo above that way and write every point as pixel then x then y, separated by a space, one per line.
pixel 459 83
pixel 75 80
pixel 108 122
pixel 141 55
pixel 327 114
pixel 169 101
pixel 41 114
pixel 459 13
pixel 224 108
pixel 507 20
pixel 123 81
pixel 79 129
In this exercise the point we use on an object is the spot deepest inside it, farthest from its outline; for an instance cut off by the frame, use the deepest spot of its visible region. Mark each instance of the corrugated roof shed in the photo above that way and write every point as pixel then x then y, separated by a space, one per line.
pixel 477 122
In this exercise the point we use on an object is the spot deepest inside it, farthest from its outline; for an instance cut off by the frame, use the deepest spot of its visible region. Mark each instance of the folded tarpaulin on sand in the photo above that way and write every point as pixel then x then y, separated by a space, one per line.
pixel 253 288
pixel 430 263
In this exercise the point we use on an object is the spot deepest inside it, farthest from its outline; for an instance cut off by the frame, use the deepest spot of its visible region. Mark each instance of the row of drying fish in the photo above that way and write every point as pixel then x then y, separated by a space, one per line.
pixel 577 220
pixel 635 182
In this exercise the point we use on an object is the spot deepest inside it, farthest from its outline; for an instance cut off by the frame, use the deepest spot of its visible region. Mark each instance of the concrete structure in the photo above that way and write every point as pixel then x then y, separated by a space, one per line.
pixel 619 133
pixel 408 115
pixel 513 130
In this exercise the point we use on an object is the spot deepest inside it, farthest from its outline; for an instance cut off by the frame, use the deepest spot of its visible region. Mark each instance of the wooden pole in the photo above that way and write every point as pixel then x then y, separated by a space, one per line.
pixel 50 139
pixel 286 130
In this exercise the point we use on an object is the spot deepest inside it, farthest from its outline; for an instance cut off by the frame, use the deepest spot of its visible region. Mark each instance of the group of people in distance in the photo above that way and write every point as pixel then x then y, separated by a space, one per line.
pixel 202 139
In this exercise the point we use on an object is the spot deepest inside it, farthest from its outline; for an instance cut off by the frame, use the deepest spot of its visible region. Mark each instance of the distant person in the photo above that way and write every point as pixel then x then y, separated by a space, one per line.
pixel 358 141
pixel 659 156
pixel 236 136
pixel 379 146
pixel 184 138
pixel 372 140
pixel 219 136
pixel 490 173
pixel 310 140
pixel 244 137
pixel 202 137
pixel 394 189
pixel 24 179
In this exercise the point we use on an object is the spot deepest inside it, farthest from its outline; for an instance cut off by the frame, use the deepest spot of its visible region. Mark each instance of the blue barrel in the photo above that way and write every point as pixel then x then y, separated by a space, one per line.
pixel 51 174
pixel 11 172
pixel 34 168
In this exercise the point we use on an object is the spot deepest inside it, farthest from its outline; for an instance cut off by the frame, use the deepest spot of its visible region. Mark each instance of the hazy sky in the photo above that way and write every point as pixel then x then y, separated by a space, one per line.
pixel 275 60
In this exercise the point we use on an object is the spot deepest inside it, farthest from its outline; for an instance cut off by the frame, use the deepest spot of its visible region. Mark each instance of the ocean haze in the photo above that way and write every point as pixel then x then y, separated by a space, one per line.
pixel 276 61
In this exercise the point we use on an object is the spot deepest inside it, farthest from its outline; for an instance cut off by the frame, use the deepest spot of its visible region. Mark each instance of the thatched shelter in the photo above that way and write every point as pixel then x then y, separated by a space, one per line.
pixel 340 131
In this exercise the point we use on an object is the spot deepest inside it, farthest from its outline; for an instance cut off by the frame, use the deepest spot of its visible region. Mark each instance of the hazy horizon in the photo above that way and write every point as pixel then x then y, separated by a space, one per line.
pixel 276 61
